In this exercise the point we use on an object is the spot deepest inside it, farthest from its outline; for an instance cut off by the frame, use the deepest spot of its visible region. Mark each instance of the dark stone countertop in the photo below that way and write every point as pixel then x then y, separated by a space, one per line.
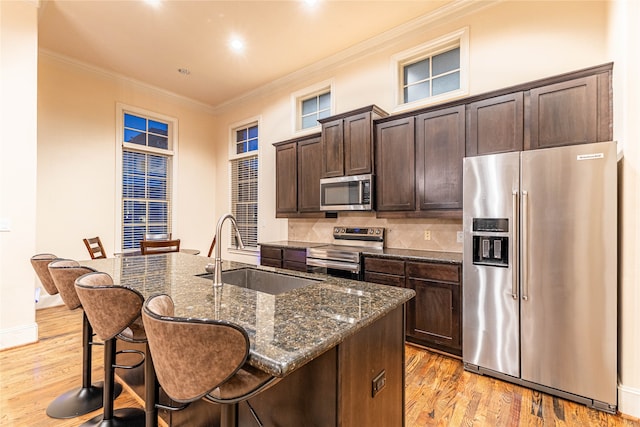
pixel 407 254
pixel 287 330
pixel 293 244
pixel 417 255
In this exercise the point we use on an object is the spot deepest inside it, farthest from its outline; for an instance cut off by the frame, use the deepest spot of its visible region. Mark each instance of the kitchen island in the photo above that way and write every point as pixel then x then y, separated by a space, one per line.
pixel 337 344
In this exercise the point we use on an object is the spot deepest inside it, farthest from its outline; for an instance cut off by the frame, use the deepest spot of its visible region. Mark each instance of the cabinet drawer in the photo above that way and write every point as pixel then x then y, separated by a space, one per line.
pixel 434 271
pixel 384 279
pixel 271 262
pixel 295 255
pixel 297 266
pixel 380 265
pixel 270 252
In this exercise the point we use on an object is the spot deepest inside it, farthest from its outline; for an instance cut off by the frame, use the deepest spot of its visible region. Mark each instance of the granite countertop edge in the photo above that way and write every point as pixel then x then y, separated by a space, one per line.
pixel 388 253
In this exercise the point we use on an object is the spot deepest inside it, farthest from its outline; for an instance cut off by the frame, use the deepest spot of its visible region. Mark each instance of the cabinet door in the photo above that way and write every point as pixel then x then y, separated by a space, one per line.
pixel 271 256
pixel 395 165
pixel 286 179
pixel 495 125
pixel 564 113
pixel 332 149
pixel 440 142
pixel 309 172
pixel 357 144
pixel 434 314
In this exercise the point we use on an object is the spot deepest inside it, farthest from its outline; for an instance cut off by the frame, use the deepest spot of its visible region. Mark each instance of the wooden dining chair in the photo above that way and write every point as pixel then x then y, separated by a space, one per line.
pixel 95 248
pixel 213 244
pixel 149 247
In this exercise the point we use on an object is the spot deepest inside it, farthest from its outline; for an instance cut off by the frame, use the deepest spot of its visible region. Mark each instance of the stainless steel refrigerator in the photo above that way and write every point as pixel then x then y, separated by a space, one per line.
pixel 540 270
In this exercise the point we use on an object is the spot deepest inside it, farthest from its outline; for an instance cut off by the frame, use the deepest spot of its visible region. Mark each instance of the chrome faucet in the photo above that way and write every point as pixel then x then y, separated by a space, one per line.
pixel 217 276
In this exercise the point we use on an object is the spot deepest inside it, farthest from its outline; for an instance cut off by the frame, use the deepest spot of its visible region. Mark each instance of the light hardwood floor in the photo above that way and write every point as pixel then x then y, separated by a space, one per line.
pixel 438 390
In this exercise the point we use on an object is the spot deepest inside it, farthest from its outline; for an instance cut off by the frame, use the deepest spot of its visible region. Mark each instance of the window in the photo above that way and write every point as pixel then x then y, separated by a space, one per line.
pixel 311 104
pixel 244 184
pixel 146 190
pixel 432 76
pixel 433 72
pixel 314 108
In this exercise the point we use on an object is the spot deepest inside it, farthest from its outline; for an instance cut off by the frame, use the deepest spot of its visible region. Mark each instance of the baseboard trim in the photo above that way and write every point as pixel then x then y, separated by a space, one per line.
pixel 20 335
pixel 629 401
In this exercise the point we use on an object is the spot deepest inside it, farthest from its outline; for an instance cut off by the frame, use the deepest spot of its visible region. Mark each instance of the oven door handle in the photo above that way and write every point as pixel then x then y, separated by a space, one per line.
pixel 346 266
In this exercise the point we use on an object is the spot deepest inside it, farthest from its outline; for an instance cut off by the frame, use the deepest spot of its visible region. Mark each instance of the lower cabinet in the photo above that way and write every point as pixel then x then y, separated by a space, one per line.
pixel 289 258
pixel 434 316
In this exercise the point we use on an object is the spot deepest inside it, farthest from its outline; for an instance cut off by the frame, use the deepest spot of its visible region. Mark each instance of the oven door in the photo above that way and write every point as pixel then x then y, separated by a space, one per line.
pixel 345 269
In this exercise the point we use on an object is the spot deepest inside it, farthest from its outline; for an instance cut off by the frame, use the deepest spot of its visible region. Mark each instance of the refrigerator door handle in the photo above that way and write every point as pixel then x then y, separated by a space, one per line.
pixel 525 245
pixel 514 257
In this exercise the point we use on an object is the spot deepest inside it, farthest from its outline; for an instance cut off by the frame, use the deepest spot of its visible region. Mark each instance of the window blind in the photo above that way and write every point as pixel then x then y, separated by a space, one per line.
pixel 244 199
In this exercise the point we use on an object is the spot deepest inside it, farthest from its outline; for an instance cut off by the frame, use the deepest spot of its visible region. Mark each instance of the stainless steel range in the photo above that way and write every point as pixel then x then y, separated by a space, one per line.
pixel 344 257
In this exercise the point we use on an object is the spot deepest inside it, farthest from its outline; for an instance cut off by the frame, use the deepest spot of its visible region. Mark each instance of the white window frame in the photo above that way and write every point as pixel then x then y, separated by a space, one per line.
pixel 459 38
pixel 234 156
pixel 301 95
pixel 172 133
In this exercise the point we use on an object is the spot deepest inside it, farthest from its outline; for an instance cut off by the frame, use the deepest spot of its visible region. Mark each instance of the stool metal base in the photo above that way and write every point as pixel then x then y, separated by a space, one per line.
pixel 79 401
pixel 126 417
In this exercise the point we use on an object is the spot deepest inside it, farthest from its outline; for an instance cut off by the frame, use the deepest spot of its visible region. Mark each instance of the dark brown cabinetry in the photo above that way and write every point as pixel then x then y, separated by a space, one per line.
pixel 271 256
pixel 495 125
pixel 298 172
pixel 347 142
pixel 286 178
pixel 309 170
pixel 384 271
pixel 440 140
pixel 395 165
pixel 570 112
pixel 289 258
pixel 434 316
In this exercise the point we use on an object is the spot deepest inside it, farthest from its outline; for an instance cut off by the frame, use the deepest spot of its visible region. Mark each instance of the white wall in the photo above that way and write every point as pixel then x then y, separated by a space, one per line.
pixel 18 138
pixel 624 45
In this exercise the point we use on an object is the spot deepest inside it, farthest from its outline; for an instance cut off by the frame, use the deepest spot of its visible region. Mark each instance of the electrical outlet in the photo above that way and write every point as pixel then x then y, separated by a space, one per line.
pixel 460 237
pixel 427 234
pixel 378 383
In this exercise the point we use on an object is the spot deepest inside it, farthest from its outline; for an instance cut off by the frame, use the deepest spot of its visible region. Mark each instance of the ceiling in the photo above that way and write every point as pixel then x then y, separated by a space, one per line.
pixel 150 43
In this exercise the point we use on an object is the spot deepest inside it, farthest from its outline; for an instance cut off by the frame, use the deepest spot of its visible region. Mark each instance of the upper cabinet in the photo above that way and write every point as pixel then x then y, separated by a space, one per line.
pixel 440 140
pixel 395 165
pixel 298 177
pixel 576 111
pixel 495 125
pixel 347 142
pixel 419 154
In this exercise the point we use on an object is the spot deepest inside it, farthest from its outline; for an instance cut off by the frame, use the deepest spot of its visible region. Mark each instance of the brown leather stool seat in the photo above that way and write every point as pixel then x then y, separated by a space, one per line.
pixel 197 359
pixel 114 312
pixel 60 279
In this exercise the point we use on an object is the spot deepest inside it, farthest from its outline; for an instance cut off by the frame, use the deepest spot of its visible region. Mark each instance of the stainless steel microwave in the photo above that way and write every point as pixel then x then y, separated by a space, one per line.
pixel 346 193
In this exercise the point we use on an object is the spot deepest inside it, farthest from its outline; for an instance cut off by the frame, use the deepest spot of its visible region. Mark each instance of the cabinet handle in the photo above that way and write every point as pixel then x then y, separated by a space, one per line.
pixel 525 245
pixel 514 247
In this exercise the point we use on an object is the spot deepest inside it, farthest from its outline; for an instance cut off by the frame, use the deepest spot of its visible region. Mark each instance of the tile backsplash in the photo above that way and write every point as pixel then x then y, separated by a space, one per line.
pixel 401 233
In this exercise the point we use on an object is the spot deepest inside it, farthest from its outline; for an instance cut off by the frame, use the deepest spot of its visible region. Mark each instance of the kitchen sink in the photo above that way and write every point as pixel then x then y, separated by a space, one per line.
pixel 262 281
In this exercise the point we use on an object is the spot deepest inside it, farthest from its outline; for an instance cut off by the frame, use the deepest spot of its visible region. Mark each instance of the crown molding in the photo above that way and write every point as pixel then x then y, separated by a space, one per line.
pixel 456 9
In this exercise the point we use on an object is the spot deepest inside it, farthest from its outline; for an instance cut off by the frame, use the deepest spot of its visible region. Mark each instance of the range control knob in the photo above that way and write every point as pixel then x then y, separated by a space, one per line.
pixel 377 231
pixel 336 230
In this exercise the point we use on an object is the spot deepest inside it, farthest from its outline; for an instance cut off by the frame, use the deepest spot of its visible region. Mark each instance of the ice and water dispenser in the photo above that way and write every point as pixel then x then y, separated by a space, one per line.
pixel 491 241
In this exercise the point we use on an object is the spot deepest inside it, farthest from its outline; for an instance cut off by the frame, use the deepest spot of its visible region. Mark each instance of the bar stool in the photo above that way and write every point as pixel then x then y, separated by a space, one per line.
pixel 114 312
pixel 87 398
pixel 214 366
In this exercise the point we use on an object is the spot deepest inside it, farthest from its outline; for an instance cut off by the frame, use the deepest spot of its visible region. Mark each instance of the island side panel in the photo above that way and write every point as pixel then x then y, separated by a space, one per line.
pixel 374 352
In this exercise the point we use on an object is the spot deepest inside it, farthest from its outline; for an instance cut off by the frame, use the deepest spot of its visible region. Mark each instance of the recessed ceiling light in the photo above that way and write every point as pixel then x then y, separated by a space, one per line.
pixel 154 3
pixel 184 71
pixel 236 44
